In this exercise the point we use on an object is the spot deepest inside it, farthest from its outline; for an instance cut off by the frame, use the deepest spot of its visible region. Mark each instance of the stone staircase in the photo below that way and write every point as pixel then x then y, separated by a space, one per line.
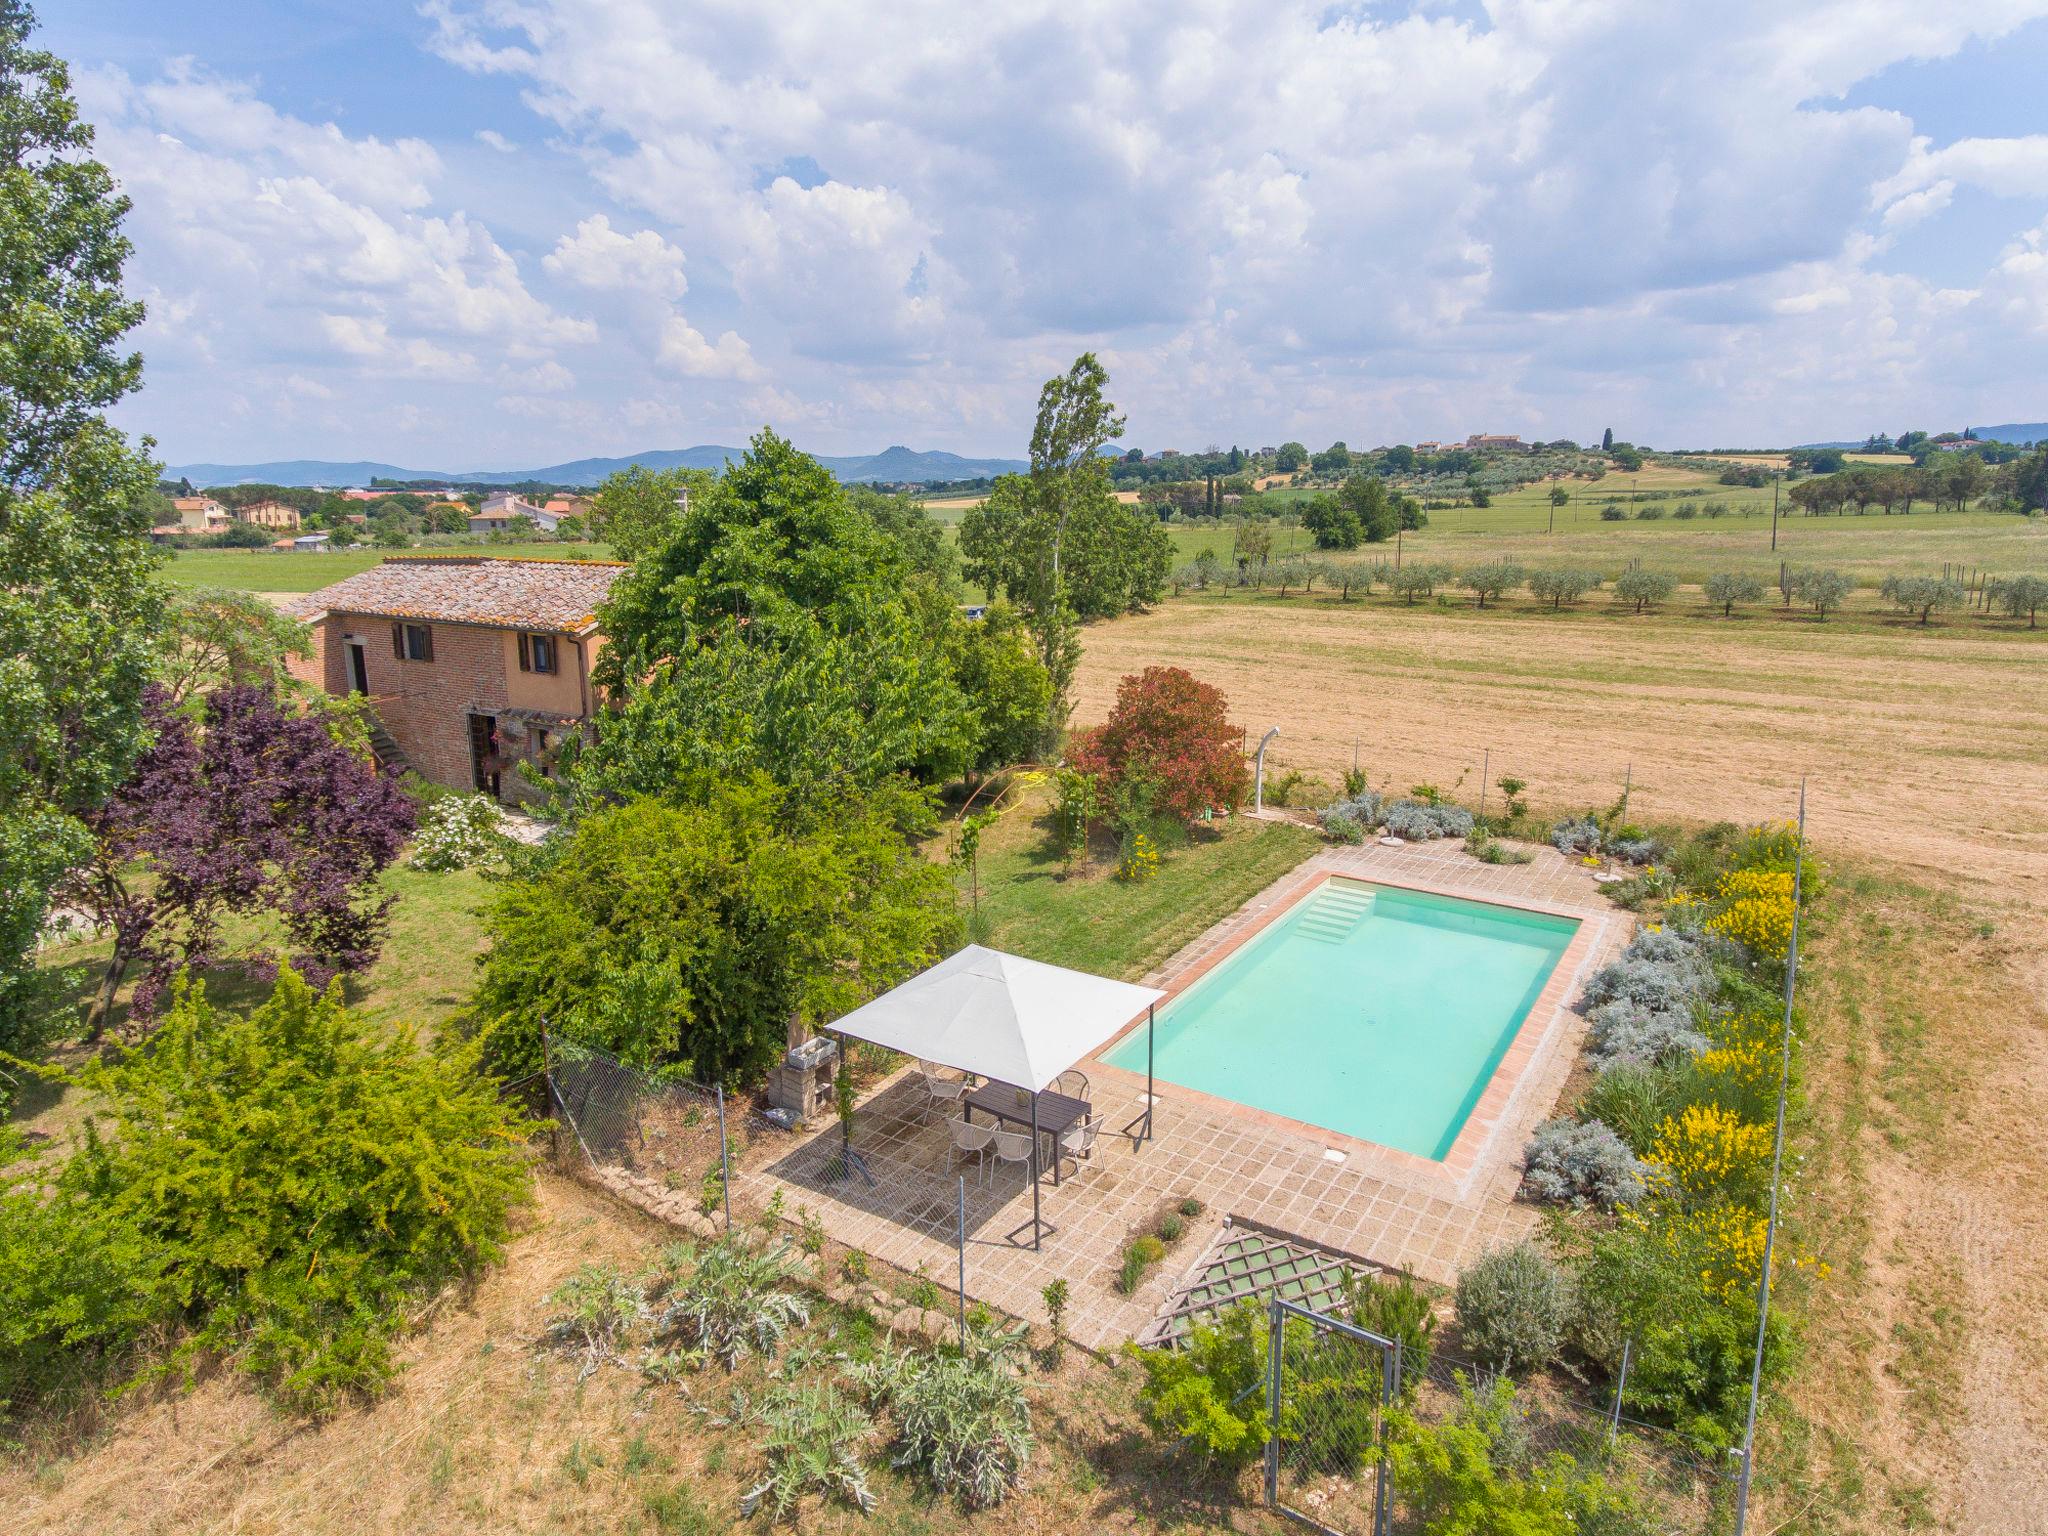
pixel 387 751
pixel 1334 913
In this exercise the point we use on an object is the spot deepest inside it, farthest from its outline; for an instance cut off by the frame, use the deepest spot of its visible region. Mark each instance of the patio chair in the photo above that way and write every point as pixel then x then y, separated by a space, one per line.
pixel 1073 1083
pixel 1078 1141
pixel 972 1140
pixel 943 1093
pixel 1012 1147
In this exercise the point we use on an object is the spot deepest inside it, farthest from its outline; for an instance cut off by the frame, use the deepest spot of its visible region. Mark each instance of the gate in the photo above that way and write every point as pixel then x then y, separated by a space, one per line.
pixel 1329 1387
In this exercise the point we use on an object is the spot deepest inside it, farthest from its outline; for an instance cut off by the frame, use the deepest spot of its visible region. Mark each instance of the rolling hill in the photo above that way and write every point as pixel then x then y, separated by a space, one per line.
pixel 892 464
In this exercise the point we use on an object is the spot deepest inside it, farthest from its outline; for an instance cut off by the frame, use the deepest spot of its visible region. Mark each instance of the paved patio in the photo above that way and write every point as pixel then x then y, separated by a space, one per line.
pixel 1386 1207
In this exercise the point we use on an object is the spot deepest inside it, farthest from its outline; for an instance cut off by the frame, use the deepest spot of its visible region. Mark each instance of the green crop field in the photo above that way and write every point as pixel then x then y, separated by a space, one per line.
pixel 264 570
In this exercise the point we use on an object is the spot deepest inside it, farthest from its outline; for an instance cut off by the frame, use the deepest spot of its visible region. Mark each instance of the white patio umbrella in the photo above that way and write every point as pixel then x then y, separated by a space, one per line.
pixel 1000 1016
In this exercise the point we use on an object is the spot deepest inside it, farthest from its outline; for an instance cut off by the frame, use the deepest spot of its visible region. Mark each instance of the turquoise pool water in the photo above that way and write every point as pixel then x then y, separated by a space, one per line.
pixel 1373 1011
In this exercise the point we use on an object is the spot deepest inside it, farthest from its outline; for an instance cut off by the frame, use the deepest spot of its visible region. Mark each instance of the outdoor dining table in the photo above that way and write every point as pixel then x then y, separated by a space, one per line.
pixel 1058 1113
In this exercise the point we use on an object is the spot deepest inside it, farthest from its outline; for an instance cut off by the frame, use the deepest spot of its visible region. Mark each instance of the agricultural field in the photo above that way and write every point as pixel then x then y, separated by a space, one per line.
pixel 264 570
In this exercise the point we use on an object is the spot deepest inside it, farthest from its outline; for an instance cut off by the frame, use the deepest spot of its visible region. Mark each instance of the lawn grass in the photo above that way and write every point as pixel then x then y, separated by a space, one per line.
pixel 1092 921
pixel 266 570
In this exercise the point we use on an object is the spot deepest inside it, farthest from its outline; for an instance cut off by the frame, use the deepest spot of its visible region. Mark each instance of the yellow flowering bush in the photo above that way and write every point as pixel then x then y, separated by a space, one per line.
pixel 1705 1152
pixel 1756 910
pixel 1140 861
pixel 1727 1241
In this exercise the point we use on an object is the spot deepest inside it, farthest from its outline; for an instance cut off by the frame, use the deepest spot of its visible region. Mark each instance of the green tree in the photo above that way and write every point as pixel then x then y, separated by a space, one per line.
pixel 1643 588
pixel 1559 496
pixel 2021 596
pixel 996 668
pixel 689 934
pixel 920 536
pixel 637 510
pixel 1922 594
pixel 1332 459
pixel 1562 586
pixel 775 630
pixel 1057 542
pixel 1823 588
pixel 1491 579
pixel 1290 458
pixel 2030 479
pixel 1332 524
pixel 1725 589
pixel 1251 544
pixel 79 602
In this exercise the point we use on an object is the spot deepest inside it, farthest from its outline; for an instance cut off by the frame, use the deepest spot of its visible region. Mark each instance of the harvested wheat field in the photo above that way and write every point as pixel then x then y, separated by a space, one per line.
pixel 1926 751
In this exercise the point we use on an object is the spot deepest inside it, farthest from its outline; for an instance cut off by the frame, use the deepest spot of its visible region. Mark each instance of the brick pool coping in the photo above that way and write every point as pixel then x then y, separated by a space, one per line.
pixel 1548 1015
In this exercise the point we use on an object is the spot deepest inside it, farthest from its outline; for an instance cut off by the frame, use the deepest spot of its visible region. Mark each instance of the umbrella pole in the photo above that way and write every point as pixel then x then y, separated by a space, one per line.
pixel 1151 1018
pixel 1034 1172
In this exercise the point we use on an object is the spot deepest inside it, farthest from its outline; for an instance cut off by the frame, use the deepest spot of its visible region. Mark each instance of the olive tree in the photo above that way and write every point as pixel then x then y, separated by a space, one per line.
pixel 1418 579
pixel 1922 594
pixel 2021 596
pixel 1824 588
pixel 1643 588
pixel 1559 587
pixel 1490 579
pixel 1727 588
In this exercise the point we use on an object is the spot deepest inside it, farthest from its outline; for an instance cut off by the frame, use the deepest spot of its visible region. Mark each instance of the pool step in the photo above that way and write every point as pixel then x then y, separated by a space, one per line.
pixel 1333 915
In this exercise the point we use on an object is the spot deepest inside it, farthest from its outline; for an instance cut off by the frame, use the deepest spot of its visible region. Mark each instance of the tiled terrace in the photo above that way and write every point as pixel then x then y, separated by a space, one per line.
pixel 1386 1207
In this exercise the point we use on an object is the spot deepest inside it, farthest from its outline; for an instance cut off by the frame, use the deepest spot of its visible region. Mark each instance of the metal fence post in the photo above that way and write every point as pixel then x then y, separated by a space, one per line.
pixel 1383 1502
pixel 1273 1365
pixel 724 1162
pixel 1620 1385
pixel 961 1242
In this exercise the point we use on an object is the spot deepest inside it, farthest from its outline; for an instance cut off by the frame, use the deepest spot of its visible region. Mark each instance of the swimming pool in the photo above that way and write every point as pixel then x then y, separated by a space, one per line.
pixel 1373 1011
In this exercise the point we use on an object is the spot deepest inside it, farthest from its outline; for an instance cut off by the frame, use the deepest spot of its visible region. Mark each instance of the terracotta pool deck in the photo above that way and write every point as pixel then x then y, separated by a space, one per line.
pixel 1388 1207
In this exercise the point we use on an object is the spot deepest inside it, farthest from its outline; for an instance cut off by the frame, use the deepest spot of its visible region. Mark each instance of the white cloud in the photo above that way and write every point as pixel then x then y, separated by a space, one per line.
pixel 598 256
pixel 1297 220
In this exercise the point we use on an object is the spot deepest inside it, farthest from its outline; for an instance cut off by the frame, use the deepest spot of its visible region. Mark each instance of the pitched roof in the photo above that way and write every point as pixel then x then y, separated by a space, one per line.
pixel 556 595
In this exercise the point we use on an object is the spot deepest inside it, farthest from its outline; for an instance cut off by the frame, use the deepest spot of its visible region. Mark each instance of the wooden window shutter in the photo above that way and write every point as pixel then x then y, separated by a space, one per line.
pixel 398 641
pixel 427 636
pixel 525 652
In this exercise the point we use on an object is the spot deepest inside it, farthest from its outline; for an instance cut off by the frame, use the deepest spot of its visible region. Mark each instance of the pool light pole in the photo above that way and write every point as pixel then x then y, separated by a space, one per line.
pixel 1259 774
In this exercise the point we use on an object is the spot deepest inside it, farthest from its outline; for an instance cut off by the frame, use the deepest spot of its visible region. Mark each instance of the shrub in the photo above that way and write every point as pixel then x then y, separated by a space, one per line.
pixel 1142 1253
pixel 1140 861
pixel 598 1308
pixel 1626 1031
pixel 1352 819
pixel 1637 850
pixel 290 1185
pixel 1775 846
pixel 1634 1097
pixel 1706 1153
pixel 1512 1307
pixel 960 1419
pixel 811 1438
pixel 459 832
pixel 1419 821
pixel 733 1303
pixel 1208 1393
pixel 1576 835
pixel 1395 1308
pixel 1582 1165
pixel 1648 514
pixel 1174 728
pixel 1666 984
pixel 1612 514
pixel 1755 911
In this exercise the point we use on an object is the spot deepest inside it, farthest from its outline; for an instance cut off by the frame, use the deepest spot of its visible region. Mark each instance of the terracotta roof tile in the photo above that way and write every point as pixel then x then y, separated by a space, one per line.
pixel 555 595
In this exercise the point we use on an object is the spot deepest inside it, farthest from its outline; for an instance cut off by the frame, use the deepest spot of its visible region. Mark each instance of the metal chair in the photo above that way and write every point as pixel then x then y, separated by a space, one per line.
pixel 943 1092
pixel 974 1140
pixel 1013 1147
pixel 1073 1083
pixel 1078 1142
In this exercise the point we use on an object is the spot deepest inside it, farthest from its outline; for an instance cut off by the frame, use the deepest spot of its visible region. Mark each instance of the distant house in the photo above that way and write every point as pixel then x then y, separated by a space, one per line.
pixel 501 511
pixel 471 665
pixel 269 514
pixel 1429 447
pixel 568 506
pixel 310 543
pixel 359 495
pixel 1503 440
pixel 200 514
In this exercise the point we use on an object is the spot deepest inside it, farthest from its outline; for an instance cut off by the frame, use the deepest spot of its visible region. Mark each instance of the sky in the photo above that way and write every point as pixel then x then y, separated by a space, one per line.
pixel 495 234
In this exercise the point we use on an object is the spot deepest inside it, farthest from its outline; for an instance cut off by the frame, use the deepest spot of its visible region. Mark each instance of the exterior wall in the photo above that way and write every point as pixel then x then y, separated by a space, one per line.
pixel 426 705
pixel 559 692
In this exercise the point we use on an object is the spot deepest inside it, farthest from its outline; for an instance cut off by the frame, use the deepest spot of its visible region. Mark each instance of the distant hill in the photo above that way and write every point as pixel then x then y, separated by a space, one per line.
pixel 2013 432
pixel 892 464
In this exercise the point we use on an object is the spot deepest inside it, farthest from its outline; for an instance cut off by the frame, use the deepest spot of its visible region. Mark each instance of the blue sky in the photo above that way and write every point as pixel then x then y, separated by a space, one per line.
pixel 494 233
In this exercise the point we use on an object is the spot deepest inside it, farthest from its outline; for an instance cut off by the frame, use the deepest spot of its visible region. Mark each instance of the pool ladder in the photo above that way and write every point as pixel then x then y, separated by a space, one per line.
pixel 1334 913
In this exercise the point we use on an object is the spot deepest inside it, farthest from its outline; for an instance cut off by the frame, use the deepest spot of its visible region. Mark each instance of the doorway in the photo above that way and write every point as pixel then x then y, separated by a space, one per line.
pixel 483 765
pixel 358 668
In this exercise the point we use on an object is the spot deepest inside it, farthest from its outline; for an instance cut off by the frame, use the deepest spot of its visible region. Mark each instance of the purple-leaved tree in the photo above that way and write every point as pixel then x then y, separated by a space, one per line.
pixel 253 809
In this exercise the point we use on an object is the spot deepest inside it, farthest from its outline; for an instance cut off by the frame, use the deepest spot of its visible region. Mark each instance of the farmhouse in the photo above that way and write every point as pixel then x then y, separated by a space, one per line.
pixel 200 514
pixel 1507 440
pixel 500 512
pixel 470 666
pixel 269 514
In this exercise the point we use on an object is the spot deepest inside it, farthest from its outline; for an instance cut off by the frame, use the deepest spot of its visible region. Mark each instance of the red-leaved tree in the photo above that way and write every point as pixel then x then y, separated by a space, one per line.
pixel 252 809
pixel 1174 729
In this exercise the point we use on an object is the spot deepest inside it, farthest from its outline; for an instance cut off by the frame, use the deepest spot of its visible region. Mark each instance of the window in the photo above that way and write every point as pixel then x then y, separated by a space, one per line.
pixel 536 653
pixel 412 642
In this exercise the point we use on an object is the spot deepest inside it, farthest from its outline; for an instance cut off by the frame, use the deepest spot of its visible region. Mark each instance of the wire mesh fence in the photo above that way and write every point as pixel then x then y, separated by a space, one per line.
pixel 1330 1387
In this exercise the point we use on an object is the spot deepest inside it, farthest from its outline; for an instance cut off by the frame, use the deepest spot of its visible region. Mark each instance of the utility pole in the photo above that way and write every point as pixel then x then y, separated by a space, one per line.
pixel 1774 512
